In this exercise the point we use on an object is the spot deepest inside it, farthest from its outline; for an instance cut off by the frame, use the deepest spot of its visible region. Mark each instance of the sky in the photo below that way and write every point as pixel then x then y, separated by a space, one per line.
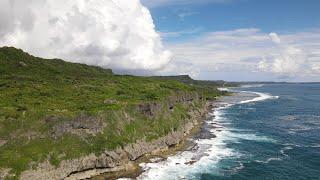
pixel 233 40
pixel 242 40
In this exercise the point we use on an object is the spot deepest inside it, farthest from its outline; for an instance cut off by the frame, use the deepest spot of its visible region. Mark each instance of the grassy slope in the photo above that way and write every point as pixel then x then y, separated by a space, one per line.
pixel 32 88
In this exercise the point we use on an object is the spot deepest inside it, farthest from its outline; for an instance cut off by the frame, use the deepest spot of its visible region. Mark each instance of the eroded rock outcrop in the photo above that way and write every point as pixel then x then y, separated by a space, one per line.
pixel 81 125
pixel 5 173
pixel 3 142
pixel 152 109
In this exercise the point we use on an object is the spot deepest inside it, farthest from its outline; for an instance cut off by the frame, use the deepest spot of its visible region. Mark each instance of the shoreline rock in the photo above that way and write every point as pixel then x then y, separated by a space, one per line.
pixel 117 160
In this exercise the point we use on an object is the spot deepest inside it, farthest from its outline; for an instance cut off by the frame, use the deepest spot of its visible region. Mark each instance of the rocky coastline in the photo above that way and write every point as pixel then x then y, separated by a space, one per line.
pixel 121 159
pixel 73 121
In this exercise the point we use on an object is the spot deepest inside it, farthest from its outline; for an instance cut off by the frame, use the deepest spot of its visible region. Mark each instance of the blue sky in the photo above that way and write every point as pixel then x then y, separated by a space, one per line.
pixel 267 15
pixel 280 37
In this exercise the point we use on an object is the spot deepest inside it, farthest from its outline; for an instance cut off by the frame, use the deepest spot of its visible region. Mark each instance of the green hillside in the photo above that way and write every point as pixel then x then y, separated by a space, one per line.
pixel 42 101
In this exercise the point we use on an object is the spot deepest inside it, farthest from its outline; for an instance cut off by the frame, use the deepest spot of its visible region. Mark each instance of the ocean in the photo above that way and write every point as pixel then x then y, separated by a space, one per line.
pixel 263 132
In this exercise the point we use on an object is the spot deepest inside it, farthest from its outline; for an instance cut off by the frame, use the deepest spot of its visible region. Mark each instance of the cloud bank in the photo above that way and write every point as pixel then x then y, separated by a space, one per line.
pixel 119 34
pixel 251 54
pixel 287 60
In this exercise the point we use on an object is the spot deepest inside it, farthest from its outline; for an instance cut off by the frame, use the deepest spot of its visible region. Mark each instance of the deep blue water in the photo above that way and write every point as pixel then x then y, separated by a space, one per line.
pixel 263 132
pixel 291 122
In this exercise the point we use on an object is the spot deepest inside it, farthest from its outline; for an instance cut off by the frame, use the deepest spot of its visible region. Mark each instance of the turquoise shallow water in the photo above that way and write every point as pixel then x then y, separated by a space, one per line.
pixel 266 132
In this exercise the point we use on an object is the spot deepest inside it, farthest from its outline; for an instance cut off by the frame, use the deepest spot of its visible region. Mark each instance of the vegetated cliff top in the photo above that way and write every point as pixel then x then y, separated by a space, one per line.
pixel 186 79
pixel 37 87
pixel 21 71
pixel 56 110
pixel 16 62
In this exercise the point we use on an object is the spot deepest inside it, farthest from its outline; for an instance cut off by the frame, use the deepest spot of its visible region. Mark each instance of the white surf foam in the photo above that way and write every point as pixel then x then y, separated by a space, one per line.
pixel 186 164
pixel 315 146
pixel 283 150
pixel 251 85
pixel 268 160
pixel 251 137
pixel 238 168
pixel 261 97
pixel 223 89
pixel 189 164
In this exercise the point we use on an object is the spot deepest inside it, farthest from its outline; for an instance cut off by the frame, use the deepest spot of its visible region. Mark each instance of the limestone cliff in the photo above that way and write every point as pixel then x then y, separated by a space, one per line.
pixel 122 158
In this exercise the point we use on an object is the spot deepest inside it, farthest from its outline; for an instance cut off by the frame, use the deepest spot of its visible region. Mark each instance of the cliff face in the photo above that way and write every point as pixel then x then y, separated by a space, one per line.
pixel 121 158
pixel 152 109
pixel 58 118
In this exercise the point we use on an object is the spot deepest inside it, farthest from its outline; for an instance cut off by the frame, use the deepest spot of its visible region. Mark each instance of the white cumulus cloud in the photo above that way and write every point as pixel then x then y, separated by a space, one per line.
pixel 274 37
pixel 286 60
pixel 115 33
pixel 251 54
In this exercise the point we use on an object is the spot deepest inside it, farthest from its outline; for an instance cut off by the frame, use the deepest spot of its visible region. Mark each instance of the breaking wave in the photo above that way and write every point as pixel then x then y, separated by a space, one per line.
pixel 207 153
pixel 260 97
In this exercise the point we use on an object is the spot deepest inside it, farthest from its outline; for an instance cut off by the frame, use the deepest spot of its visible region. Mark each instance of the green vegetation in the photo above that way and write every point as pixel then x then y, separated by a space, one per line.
pixel 198 83
pixel 36 95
